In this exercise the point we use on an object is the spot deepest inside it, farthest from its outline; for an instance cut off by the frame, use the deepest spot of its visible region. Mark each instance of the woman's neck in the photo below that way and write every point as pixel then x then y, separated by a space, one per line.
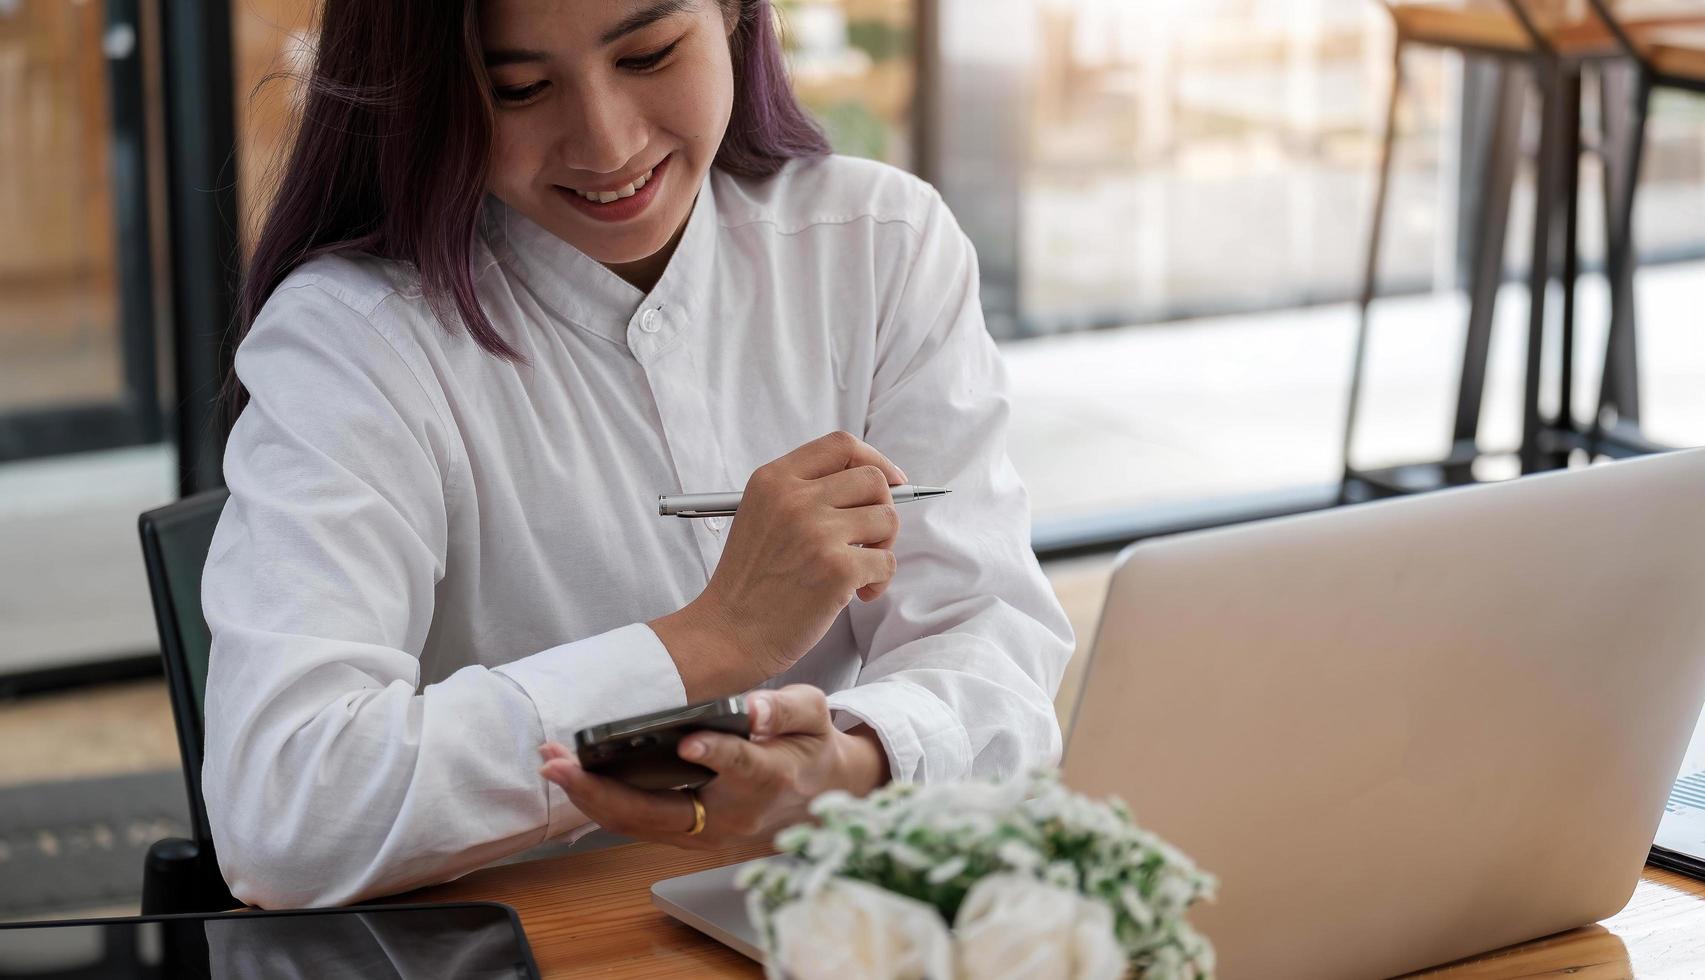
pixel 642 274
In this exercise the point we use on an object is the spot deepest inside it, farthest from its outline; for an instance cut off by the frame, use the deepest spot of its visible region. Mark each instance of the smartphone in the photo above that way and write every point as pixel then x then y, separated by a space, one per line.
pixel 642 751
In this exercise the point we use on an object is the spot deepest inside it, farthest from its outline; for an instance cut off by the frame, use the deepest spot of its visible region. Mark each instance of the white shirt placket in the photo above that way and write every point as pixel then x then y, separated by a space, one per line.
pixel 656 338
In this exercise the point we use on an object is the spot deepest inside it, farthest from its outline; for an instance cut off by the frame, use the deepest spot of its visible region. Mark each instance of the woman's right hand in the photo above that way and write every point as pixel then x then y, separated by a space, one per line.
pixel 815 527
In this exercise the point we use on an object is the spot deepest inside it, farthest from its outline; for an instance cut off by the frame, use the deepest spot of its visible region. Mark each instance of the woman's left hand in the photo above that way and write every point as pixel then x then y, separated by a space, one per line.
pixel 761 785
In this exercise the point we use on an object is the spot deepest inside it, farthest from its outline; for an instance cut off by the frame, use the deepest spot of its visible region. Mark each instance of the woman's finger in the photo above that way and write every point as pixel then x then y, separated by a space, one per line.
pixel 870 592
pixel 871 526
pixel 618 807
pixel 873 566
pixel 860 486
pixel 797 709
pixel 730 756
pixel 834 452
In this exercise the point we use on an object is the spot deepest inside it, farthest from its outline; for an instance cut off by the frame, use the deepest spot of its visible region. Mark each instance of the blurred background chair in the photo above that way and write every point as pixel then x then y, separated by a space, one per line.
pixel 1667 51
pixel 1551 42
pixel 182 875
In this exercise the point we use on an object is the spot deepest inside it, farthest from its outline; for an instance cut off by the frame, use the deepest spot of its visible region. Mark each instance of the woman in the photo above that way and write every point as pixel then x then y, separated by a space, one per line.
pixel 532 264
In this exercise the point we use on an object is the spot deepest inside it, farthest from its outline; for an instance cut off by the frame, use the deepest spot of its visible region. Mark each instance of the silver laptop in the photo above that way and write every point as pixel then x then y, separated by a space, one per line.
pixel 1400 733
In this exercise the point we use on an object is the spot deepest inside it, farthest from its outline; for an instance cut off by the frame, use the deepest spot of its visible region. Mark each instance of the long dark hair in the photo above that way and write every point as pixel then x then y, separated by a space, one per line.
pixel 392 148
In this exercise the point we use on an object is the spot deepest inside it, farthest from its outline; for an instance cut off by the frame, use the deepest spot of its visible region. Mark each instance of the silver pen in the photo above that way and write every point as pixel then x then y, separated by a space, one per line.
pixel 724 504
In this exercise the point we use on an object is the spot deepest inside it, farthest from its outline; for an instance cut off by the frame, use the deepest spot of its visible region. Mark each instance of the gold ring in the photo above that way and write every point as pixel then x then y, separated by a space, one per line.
pixel 698 812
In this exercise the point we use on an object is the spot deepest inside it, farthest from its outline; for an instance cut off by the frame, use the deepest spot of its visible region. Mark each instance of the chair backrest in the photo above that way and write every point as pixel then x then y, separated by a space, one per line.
pixel 175 539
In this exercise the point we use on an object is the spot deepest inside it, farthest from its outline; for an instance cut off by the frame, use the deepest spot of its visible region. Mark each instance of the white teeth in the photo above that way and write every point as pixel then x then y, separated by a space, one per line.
pixel 605 197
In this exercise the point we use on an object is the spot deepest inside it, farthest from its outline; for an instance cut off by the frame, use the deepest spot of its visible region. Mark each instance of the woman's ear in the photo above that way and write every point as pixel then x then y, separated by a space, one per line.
pixel 731 11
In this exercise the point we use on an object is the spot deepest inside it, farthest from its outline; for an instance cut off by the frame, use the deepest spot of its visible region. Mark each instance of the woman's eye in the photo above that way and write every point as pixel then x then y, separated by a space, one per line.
pixel 519 93
pixel 648 62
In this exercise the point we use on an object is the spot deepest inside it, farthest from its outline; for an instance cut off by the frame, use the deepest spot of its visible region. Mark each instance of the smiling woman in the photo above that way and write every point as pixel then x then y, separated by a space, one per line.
pixel 532 264
pixel 586 110
pixel 408 122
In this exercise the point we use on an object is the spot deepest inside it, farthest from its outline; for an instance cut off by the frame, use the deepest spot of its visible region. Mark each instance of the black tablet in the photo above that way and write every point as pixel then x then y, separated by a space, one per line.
pixel 1680 845
pixel 471 940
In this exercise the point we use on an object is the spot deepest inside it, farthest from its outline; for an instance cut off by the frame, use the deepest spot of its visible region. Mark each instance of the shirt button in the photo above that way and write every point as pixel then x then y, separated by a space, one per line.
pixel 649 321
pixel 716 523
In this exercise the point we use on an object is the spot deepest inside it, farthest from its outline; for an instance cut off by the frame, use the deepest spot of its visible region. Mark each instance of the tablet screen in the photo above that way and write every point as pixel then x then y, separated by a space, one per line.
pixel 403 941
pixel 1680 845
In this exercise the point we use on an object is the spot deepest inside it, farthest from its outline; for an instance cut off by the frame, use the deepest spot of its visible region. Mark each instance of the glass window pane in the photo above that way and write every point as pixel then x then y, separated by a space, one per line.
pixel 59 337
pixel 273 49
pixel 1208 157
pixel 1196 200
pixel 854 67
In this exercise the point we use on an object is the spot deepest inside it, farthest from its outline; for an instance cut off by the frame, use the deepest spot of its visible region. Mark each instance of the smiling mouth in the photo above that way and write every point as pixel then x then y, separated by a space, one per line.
pixel 626 190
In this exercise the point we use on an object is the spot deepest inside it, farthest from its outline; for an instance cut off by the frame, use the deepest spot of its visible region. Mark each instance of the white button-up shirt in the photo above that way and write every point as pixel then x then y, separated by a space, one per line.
pixel 434 559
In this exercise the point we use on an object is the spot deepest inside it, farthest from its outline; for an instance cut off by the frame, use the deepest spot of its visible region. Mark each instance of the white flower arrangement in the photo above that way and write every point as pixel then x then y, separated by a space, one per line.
pixel 1037 881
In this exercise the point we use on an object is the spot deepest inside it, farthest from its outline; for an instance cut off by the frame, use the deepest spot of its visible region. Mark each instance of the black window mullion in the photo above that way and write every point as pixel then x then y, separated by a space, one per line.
pixel 201 193
pixel 129 162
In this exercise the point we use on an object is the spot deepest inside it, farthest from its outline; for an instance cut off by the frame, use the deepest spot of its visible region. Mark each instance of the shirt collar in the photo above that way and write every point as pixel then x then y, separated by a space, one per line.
pixel 576 286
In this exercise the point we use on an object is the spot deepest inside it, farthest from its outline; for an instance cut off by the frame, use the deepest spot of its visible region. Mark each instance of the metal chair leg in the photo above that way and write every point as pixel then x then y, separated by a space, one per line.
pixel 1502 158
pixel 1370 273
pixel 1539 274
pixel 1570 161
pixel 1619 386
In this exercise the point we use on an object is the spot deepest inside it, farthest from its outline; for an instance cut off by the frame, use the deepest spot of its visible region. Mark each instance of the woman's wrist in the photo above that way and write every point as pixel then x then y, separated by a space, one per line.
pixel 706 651
pixel 863 761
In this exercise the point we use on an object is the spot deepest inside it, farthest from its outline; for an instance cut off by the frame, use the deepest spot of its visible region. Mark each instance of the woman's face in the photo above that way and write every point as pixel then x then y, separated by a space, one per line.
pixel 624 99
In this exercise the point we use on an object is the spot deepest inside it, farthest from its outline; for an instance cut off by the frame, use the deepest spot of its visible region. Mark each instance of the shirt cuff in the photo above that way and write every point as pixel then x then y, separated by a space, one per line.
pixel 603 678
pixel 924 739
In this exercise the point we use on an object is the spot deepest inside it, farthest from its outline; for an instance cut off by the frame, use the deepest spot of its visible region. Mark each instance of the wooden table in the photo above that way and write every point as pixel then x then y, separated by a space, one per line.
pixel 1491 24
pixel 591 915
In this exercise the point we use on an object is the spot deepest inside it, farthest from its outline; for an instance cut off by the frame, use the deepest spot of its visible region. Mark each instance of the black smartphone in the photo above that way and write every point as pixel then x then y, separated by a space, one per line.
pixel 642 751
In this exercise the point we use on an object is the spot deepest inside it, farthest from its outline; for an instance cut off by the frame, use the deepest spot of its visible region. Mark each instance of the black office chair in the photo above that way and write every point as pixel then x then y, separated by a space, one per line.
pixel 183 875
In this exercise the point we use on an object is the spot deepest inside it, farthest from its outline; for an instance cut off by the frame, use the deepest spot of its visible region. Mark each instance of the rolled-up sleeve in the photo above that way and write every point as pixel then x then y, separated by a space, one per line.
pixel 331 775
pixel 966 648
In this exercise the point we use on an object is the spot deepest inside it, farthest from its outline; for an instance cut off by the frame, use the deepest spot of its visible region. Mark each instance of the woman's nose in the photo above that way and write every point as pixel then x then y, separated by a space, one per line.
pixel 605 135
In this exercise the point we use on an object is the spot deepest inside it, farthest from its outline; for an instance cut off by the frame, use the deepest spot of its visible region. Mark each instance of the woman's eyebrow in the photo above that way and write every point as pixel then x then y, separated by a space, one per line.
pixel 495 57
pixel 639 20
pixel 645 17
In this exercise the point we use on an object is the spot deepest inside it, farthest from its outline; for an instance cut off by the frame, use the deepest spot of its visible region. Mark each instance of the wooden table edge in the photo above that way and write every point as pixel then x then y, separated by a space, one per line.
pixel 608 926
